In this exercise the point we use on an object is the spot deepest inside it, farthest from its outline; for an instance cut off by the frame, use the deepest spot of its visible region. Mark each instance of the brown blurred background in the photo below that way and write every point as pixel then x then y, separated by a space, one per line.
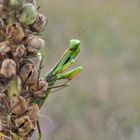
pixel 103 102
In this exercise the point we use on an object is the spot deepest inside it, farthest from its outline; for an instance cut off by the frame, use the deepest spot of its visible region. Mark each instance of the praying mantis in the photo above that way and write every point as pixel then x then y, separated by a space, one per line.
pixel 58 73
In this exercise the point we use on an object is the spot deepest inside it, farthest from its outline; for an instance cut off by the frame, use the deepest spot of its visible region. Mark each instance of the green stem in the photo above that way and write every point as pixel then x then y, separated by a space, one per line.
pixel 13 88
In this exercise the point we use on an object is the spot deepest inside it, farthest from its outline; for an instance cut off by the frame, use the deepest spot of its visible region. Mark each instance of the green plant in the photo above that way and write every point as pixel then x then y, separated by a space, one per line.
pixel 22 91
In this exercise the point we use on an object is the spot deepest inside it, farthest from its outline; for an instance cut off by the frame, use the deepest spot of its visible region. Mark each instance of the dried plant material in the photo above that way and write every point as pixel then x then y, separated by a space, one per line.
pixel 19 105
pixel 22 91
pixel 8 68
pixel 34 44
pixel 39 24
pixel 28 74
pixel 15 32
pixel 39 89
pixel 3 84
pixel 19 51
pixel 4 48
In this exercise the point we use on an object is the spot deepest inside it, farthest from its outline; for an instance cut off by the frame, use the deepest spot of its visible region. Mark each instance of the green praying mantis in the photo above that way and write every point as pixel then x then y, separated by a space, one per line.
pixel 58 72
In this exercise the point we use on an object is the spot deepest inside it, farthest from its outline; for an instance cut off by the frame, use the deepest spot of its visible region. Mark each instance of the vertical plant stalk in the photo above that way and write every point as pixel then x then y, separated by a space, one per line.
pixel 22 91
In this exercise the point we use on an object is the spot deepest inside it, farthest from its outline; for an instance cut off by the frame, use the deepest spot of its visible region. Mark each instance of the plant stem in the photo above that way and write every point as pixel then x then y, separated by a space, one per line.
pixel 13 88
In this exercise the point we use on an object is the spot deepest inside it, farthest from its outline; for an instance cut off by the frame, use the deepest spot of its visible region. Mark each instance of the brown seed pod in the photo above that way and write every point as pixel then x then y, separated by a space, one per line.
pixel 3 84
pixel 28 74
pixel 19 105
pixel 8 68
pixel 2 25
pixel 19 51
pixel 26 128
pixel 15 32
pixel 4 2
pixel 33 112
pixel 39 89
pixel 3 8
pixel 35 59
pixel 4 48
pixel 21 120
pixel 34 44
pixel 39 24
pixel 3 137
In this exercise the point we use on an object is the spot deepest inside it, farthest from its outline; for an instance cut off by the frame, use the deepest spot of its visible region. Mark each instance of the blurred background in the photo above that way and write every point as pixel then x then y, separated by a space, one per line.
pixel 103 102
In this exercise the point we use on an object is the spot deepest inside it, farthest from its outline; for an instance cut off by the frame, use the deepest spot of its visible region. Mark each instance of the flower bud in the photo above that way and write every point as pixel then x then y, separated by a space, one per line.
pixel 8 68
pixel 19 105
pixel 27 14
pixel 28 74
pixel 15 31
pixel 16 2
pixel 39 23
pixel 34 44
pixel 40 89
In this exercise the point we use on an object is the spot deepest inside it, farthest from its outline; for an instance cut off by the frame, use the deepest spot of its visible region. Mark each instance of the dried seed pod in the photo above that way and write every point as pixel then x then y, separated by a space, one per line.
pixel 15 31
pixel 19 105
pixel 4 103
pixel 39 24
pixel 2 25
pixel 34 44
pixel 33 112
pixel 26 128
pixel 4 48
pixel 28 74
pixel 31 1
pixel 8 68
pixel 35 59
pixel 39 90
pixel 4 2
pixel 20 121
pixel 19 51
pixel 4 137
pixel 27 14
pixel 16 2
pixel 3 7
pixel 3 84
